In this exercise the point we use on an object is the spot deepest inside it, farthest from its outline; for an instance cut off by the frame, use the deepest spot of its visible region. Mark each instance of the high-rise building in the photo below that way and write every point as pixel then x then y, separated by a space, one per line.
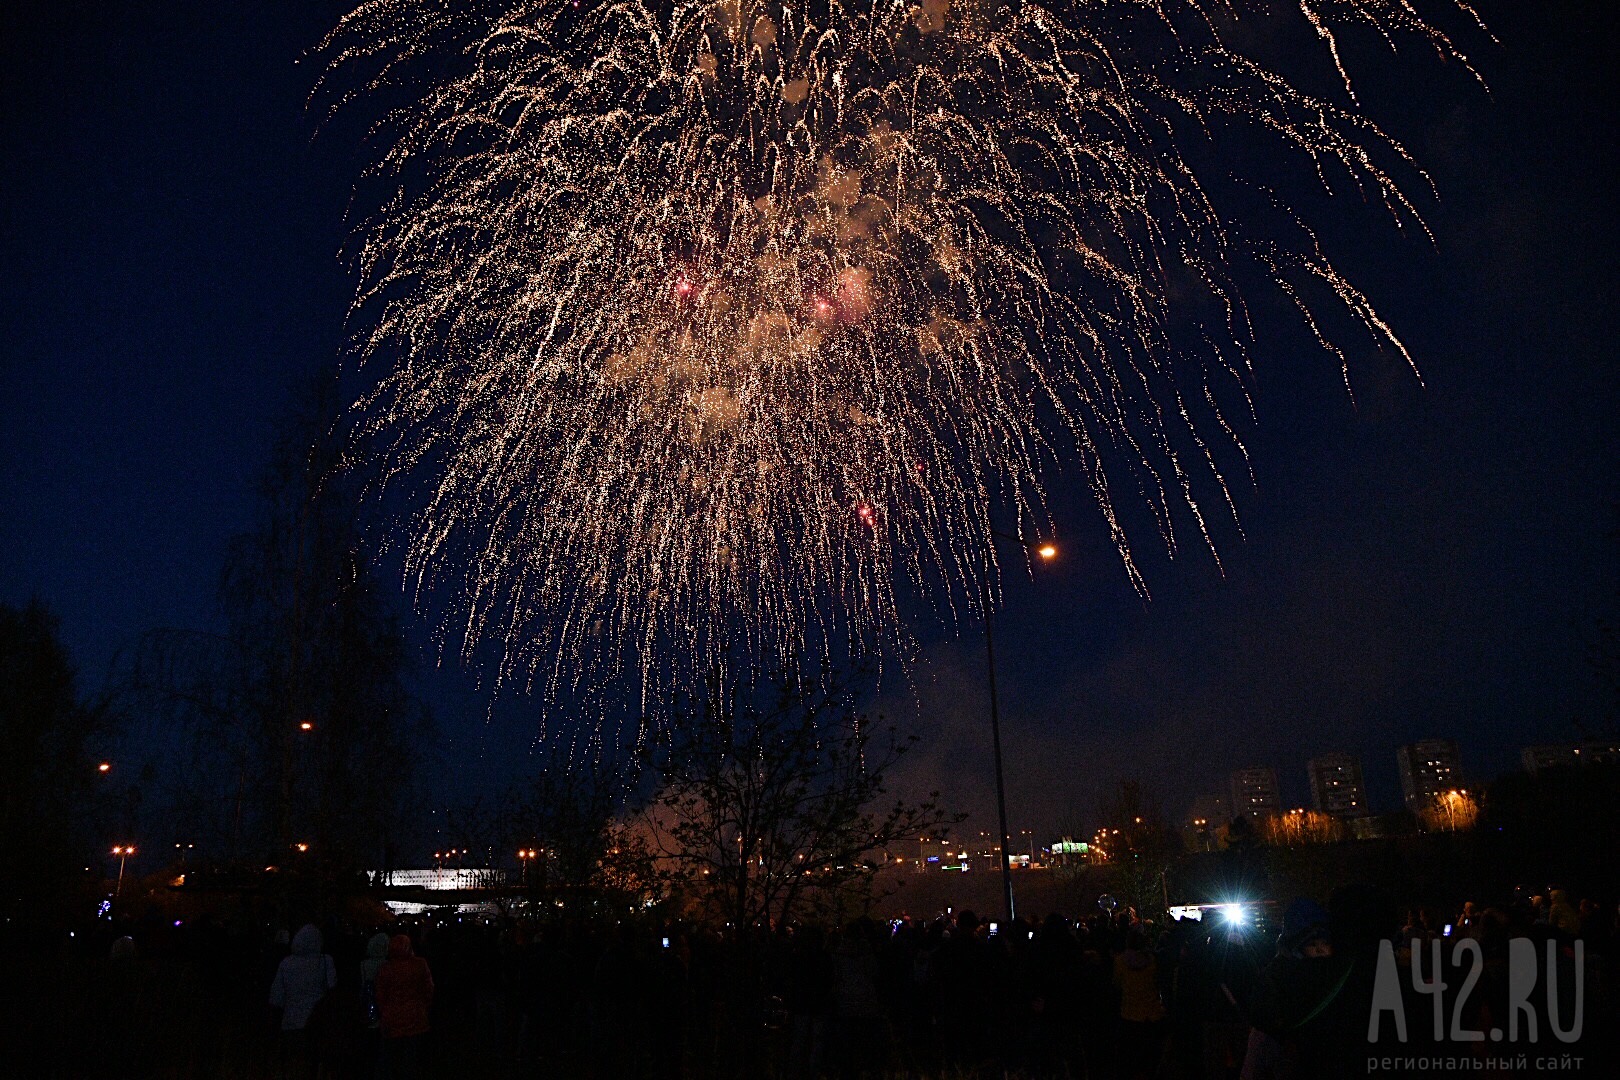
pixel 1336 785
pixel 1429 769
pixel 1208 816
pixel 1255 791
pixel 1537 758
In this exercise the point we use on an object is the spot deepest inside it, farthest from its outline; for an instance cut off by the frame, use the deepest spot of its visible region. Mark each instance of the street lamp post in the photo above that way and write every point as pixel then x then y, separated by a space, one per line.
pixel 1045 551
pixel 123 851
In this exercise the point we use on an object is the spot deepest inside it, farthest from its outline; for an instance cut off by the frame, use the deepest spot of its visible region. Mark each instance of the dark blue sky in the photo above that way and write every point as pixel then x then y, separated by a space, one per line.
pixel 1428 560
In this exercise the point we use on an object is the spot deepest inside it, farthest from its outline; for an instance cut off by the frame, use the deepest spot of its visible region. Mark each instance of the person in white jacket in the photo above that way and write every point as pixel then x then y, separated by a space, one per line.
pixel 301 981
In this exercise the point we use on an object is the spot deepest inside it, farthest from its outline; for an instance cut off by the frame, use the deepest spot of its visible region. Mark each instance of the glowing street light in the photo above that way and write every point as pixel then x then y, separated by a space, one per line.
pixel 306 726
pixel 104 767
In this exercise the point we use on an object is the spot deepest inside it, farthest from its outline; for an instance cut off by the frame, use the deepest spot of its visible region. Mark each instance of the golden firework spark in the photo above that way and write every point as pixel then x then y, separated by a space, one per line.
pixel 714 327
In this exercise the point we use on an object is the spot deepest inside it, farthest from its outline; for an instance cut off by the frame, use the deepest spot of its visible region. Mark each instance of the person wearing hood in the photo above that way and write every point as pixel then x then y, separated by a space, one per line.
pixel 404 990
pixel 376 957
pixel 302 979
pixel 1561 914
pixel 1141 1009
pixel 1304 1026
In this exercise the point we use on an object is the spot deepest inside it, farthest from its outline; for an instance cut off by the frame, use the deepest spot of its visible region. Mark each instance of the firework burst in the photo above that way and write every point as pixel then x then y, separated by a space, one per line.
pixel 712 329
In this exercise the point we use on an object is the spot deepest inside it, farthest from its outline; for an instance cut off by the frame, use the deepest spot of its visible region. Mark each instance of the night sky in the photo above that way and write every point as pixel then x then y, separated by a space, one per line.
pixel 1429 559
